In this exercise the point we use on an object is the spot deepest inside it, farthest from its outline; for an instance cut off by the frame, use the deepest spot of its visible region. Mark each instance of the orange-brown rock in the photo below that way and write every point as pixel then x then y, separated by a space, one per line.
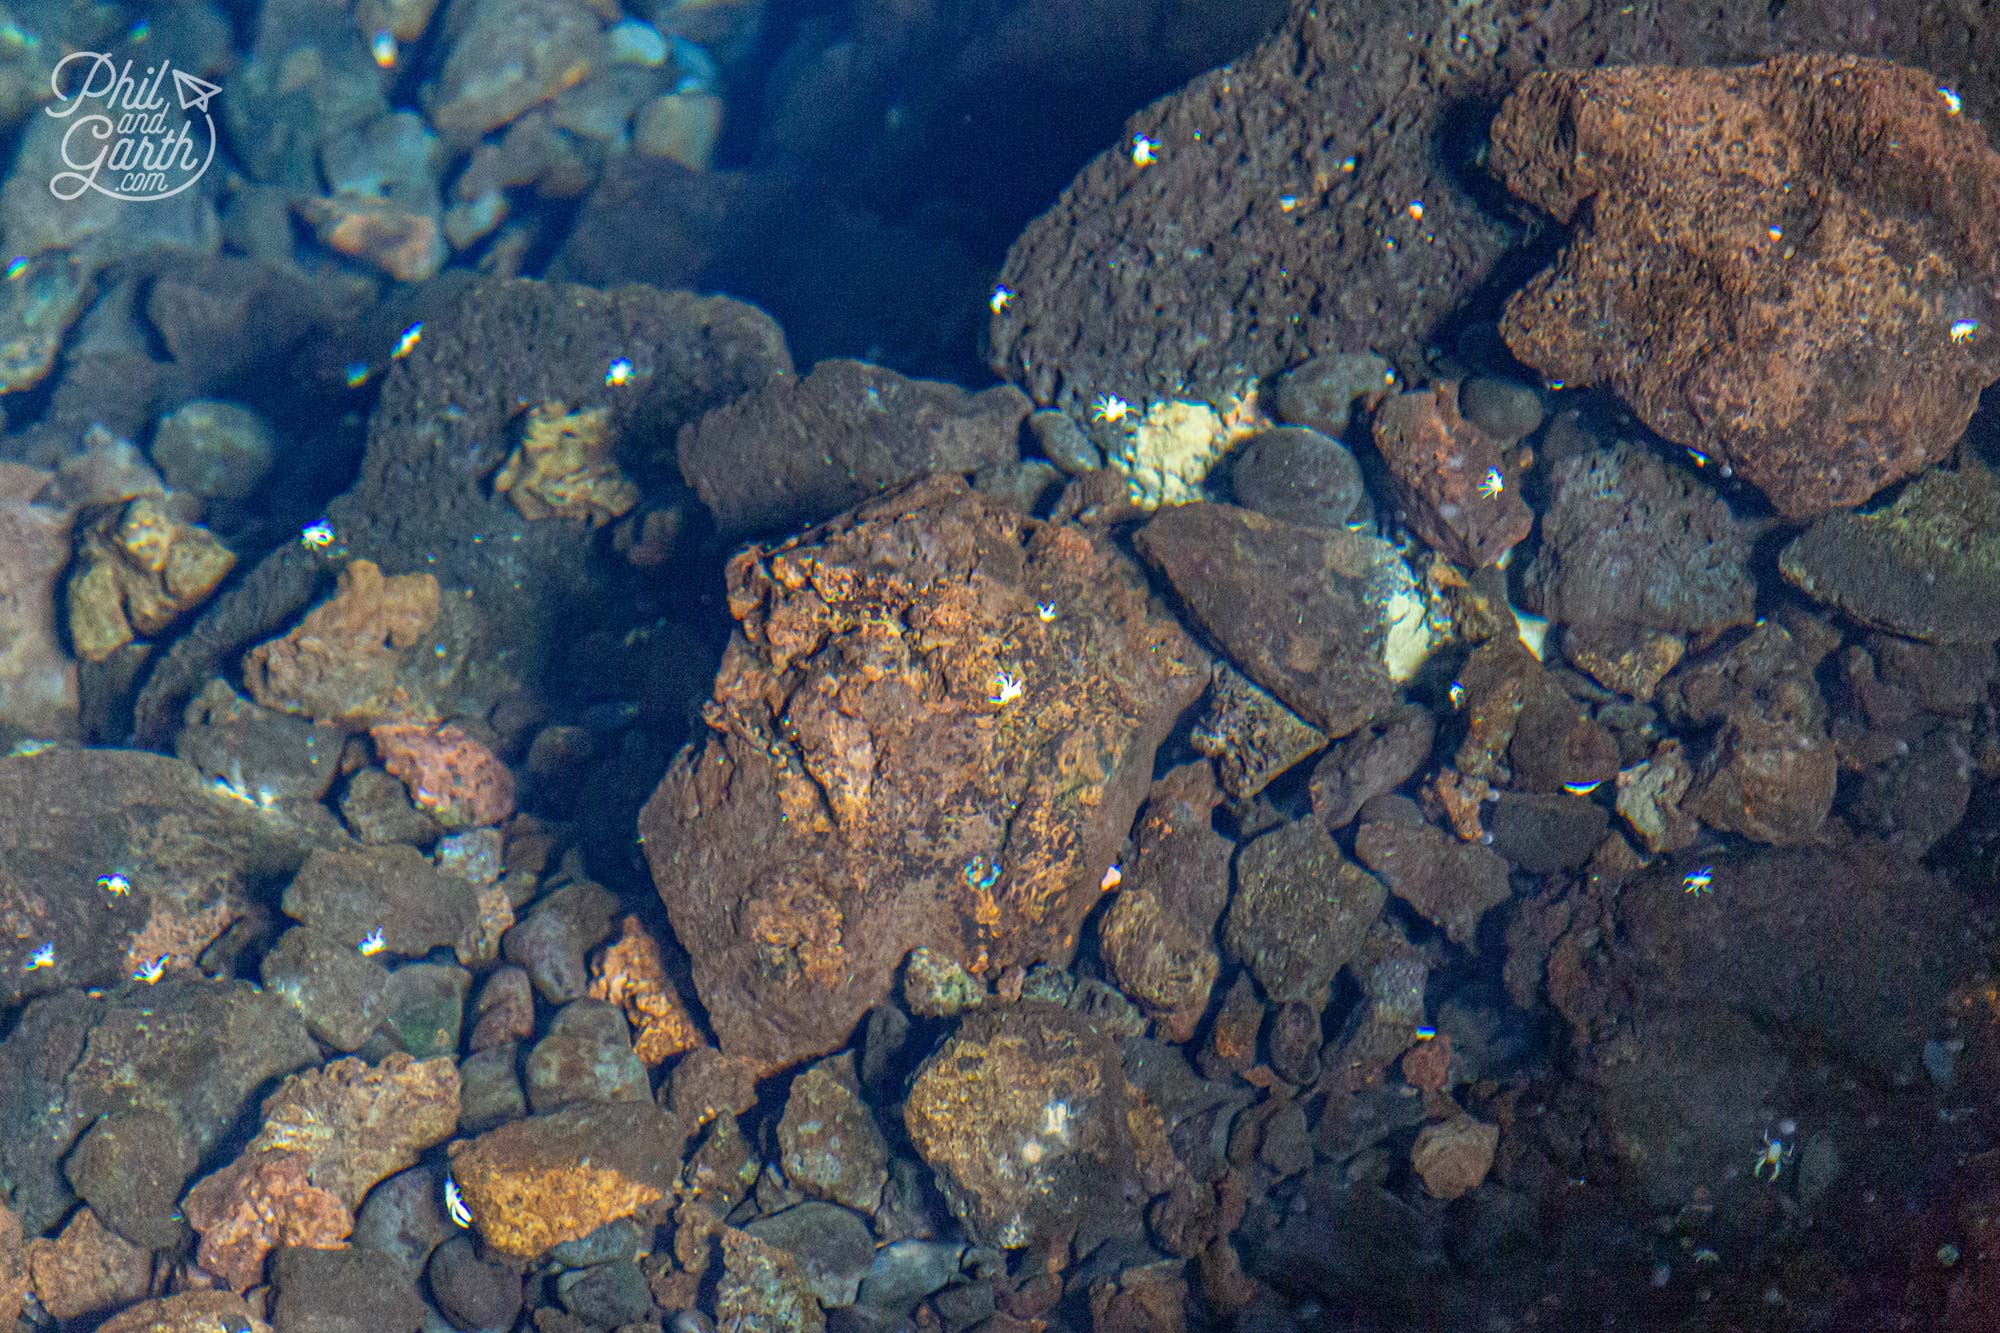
pixel 1450 477
pixel 628 973
pixel 255 1204
pixel 339 664
pixel 1790 266
pixel 329 1135
pixel 458 780
pixel 13 1266
pixel 189 1312
pixel 535 1183
pixel 1453 1156
pixel 406 243
pixel 358 1124
pixel 563 468
pixel 88 1270
pixel 931 728
pixel 138 568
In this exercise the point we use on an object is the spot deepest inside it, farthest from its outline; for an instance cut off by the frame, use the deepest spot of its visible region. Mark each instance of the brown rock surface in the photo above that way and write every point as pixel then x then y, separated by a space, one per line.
pixel 1023 1115
pixel 1450 477
pixel 905 753
pixel 189 1312
pixel 187 853
pixel 138 568
pixel 1453 1156
pixel 13 1266
pixel 1807 232
pixel 339 663
pixel 329 1135
pixel 461 782
pixel 1158 939
pixel 535 1183
pixel 1299 609
pixel 256 1204
pixel 628 973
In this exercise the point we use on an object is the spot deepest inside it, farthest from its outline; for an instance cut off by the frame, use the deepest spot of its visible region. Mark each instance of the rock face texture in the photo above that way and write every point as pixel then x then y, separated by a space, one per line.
pixel 802 449
pixel 425 500
pixel 932 727
pixel 1274 218
pixel 1791 267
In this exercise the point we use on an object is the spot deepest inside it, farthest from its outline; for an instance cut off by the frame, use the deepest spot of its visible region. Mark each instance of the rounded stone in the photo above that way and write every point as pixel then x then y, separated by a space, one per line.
pixel 610 1295
pixel 1064 442
pixel 473 1293
pixel 1298 475
pixel 1508 410
pixel 214 449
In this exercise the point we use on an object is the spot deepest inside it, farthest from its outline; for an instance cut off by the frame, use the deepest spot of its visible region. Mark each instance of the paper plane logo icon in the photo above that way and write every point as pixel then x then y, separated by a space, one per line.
pixel 194 92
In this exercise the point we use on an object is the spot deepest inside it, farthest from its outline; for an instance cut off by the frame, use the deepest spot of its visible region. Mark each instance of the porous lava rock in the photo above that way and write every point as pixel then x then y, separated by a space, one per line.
pixel 1927 566
pixel 932 727
pixel 425 499
pixel 1629 541
pixel 1275 218
pixel 1773 264
pixel 191 1050
pixel 533 1184
pixel 1023 1115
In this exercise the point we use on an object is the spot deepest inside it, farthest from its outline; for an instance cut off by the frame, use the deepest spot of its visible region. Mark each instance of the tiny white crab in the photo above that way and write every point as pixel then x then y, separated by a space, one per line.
pixel 998 302
pixel 1492 484
pixel 317 536
pixel 1963 329
pixel 151 972
pixel 1952 101
pixel 114 884
pixel 1144 151
pixel 372 943
pixel 1775 1153
pixel 1457 695
pixel 454 1204
pixel 1109 408
pixel 42 957
pixel 1697 881
pixel 1006 689
pixel 1045 610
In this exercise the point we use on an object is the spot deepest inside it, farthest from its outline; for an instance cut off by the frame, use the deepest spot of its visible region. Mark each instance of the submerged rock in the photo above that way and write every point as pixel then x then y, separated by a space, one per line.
pixel 932 728
pixel 1023 1115
pixel 192 1051
pixel 803 449
pixel 1628 541
pixel 1303 611
pixel 1812 230
pixel 1927 566
pixel 535 1183
pixel 37 678
pixel 116 860
pixel 1451 479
